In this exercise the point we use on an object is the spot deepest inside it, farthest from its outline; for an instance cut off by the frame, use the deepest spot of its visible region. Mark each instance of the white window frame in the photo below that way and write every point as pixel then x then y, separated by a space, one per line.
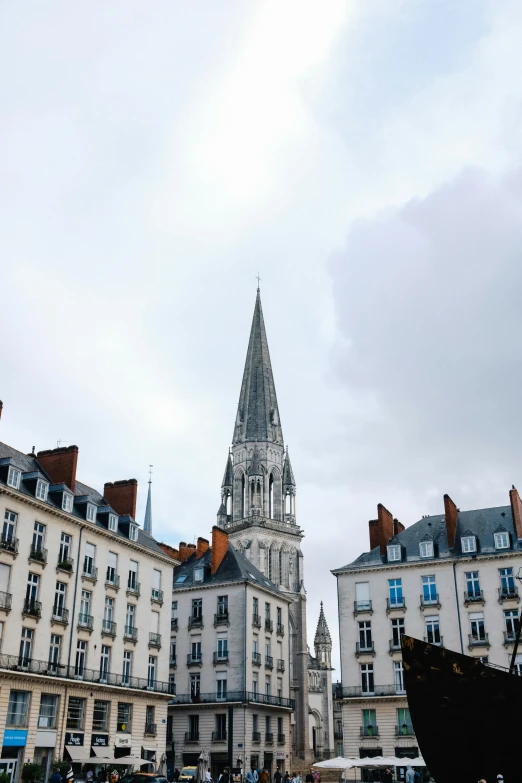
pixel 67 502
pixel 468 544
pixel 394 553
pixel 426 549
pixel 133 532
pixel 91 513
pixel 502 540
pixel 198 574
pixel 113 523
pixel 13 477
pixel 42 488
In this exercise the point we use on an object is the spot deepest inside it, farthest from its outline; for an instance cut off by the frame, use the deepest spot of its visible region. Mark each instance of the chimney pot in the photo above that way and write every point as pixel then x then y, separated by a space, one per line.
pixel 516 510
pixel 451 513
pixel 219 547
pixel 381 529
pixel 202 547
pixel 122 496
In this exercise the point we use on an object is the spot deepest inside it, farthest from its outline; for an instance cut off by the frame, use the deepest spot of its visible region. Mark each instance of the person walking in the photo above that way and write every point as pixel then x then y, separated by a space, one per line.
pixel 56 777
pixel 264 777
pixel 310 777
pixel 387 777
pixel 278 776
pixel 410 774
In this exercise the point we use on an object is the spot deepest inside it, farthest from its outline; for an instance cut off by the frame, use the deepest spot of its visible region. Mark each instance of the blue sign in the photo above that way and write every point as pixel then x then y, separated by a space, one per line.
pixel 15 737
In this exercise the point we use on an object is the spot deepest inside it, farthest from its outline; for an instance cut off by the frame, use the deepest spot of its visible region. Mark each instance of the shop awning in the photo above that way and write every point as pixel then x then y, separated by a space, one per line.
pixel 124 760
pixel 101 751
pixel 78 754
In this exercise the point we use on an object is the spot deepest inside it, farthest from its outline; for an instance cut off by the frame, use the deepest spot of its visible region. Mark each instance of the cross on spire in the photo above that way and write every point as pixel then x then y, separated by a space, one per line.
pixel 258 281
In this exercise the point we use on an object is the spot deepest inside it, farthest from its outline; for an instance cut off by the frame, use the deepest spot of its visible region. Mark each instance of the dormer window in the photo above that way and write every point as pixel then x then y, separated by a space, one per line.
pixel 502 540
pixel 133 532
pixel 394 553
pixel 13 477
pixel 426 548
pixel 91 513
pixel 198 574
pixel 67 502
pixel 113 525
pixel 41 489
pixel 469 543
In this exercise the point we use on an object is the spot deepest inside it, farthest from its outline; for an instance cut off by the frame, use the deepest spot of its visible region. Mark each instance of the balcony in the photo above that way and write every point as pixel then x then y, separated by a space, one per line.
pixel 194 660
pixel 155 640
pixel 172 661
pixel 478 641
pixel 85 622
pixel 369 731
pixel 256 736
pixel 191 737
pixel 156 596
pixel 338 735
pixel 90 573
pixel 395 646
pixel 241 697
pixel 437 641
pixel 362 607
pixel 32 608
pixel 150 729
pixel 269 738
pixel 133 588
pixel 256 658
pixel 356 692
pixel 219 736
pixel 508 594
pixel 269 625
pixel 195 622
pixel 112 581
pixel 395 605
pixel 221 618
pixel 130 633
pixel 476 597
pixel 366 648
pixel 173 623
pixel 65 564
pixel 406 730
pixel 280 629
pixel 281 739
pixel 280 665
pixel 108 628
pixel 429 601
pixel 269 662
pixel 220 657
pixel 60 615
pixel 5 601
pixel 38 555
pixel 9 544
pixel 509 638
pixel 256 620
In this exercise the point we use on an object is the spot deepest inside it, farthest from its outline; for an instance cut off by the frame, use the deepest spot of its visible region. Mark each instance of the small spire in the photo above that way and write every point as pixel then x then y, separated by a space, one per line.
pixel 322 634
pixel 228 476
pixel 147 522
pixel 288 473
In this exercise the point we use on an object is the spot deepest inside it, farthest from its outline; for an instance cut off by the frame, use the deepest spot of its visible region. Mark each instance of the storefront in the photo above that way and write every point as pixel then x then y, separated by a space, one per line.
pixel 13 749
pixel 44 747
pixel 280 759
pixel 122 745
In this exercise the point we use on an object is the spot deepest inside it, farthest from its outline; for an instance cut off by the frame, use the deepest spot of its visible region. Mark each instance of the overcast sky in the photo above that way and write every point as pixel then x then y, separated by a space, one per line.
pixel 364 156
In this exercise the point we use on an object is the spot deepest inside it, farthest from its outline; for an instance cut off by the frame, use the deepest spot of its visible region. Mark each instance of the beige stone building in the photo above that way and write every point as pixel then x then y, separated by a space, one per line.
pixel 449 579
pixel 84 626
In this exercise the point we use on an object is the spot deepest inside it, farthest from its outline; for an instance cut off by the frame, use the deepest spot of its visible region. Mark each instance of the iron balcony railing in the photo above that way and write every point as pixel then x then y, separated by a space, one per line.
pixel 256 620
pixel 280 630
pixel 38 554
pixel 406 730
pixel 64 671
pixel 108 628
pixel 221 618
pixel 509 637
pixel 437 641
pixel 475 597
pixel 191 736
pixel 5 601
pixel 219 736
pixel 32 608
pixel 338 734
pixel 130 632
pixel 508 593
pixel 60 615
pixel 356 691
pixel 269 738
pixel 195 621
pixel 173 623
pixel 156 595
pixel 194 659
pixel 256 658
pixel 65 564
pixel 362 607
pixel 112 581
pixel 85 621
pixel 256 736
pixel 234 696
pixel 281 739
pixel 394 645
pixel 430 600
pixel 9 544
pixel 172 660
pixel 364 648
pixel 269 662
pixel 478 640
pixel 150 728
pixel 133 588
pixel 369 731
pixel 396 603
pixel 269 625
pixel 220 657
pixel 280 665
pixel 91 572
pixel 155 640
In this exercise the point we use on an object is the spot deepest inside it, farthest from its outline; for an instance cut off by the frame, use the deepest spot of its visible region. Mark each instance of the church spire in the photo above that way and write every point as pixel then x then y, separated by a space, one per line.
pixel 147 522
pixel 323 641
pixel 257 417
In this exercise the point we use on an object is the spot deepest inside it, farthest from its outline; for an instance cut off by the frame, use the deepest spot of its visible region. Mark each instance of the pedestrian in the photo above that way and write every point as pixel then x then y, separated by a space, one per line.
pixel 264 776
pixel 410 774
pixel 56 777
pixel 287 777
pixel 310 777
pixel 176 775
pixel 207 776
pixel 277 776
pixel 225 777
pixel 89 775
pixel 317 776
pixel 387 777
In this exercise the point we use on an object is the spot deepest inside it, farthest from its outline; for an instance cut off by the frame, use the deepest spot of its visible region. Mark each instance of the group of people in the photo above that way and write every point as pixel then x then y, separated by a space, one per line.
pixel 262 775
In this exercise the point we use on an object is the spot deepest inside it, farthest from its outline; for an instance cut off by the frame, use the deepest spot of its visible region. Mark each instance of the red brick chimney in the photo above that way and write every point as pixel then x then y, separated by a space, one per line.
pixel 516 510
pixel 183 551
pixel 451 513
pixel 60 464
pixel 381 529
pixel 169 550
pixel 398 527
pixel 202 547
pixel 219 547
pixel 122 495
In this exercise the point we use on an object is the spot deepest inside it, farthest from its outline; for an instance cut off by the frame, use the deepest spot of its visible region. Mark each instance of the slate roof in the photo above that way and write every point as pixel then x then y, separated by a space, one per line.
pixel 257 414
pixel 233 568
pixel 29 464
pixel 482 523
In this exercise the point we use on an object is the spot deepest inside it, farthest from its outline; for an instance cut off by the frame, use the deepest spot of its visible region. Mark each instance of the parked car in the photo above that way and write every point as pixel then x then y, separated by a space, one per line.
pixel 187 773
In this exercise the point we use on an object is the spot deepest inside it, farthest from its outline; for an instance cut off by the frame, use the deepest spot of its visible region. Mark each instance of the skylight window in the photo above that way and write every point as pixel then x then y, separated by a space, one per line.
pixel 252 576
pixel 394 553
pixel 13 477
pixel 41 489
pixel 426 548
pixel 469 543
pixel 181 578
pixel 502 540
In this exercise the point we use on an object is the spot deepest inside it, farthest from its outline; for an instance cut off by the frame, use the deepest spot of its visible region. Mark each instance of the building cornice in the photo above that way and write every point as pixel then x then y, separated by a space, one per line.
pixel 264 524
pixel 26 677
pixel 431 562
pixel 220 585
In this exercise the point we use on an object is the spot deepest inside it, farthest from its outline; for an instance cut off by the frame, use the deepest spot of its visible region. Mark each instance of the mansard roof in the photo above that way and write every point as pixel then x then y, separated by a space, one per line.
pixel 257 417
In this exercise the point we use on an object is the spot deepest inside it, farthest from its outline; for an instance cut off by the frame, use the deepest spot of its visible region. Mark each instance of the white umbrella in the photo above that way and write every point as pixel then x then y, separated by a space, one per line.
pixel 162 768
pixel 337 763
pixel 201 772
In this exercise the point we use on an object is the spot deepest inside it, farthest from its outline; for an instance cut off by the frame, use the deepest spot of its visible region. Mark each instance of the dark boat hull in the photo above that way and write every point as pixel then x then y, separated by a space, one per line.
pixel 467 716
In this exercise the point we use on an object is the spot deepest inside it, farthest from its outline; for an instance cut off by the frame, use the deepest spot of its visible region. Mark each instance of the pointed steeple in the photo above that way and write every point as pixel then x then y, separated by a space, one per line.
pixel 288 473
pixel 228 476
pixel 147 522
pixel 322 634
pixel 257 414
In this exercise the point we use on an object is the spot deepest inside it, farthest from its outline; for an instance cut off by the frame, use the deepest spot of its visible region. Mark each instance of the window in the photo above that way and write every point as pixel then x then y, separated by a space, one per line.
pixel 67 502
pixel 511 622
pixel 149 717
pixel 478 630
pixel 398 672
pixel 507 581
pixel 133 532
pixel 127 667
pixel 152 671
pixel 88 561
pixel 65 548
pixel 473 584
pixel 255 683
pixel 222 605
pixel 112 568
pixel 195 683
pixel 194 727
pixel 108 613
pixel 85 607
pixel 60 593
pixel 100 715
pixel 221 726
pixel 81 656
pixel 222 647
pixel 395 590
pixel 404 724
pixel 174 611
pixel 429 590
pixel 38 537
pixel 13 477
pixel 267 611
pixel 518 665
pixel 156 585
pixel 255 607
pixel 124 720
pixel 54 651
pixel 426 548
pixel 172 684
pixel 197 608
pixel 26 644
pixel 198 574
pixel 18 708
pixel 9 528
pixel 31 591
pixel 255 722
pixel 113 522
pixel 133 575
pixel 279 688
pixel 369 719
pixel 279 616
pixel 268 686
pixel 105 657
pixel 502 540
pixel 365 635
pixel 394 553
pixel 362 597
pixel 75 713
pixel 129 618
pixel 41 489
pixel 468 543
pixel 432 629
pixel 267 648
pixel 367 678
pixel 268 724
pixel 91 513
pixel 48 711
pixel 221 685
